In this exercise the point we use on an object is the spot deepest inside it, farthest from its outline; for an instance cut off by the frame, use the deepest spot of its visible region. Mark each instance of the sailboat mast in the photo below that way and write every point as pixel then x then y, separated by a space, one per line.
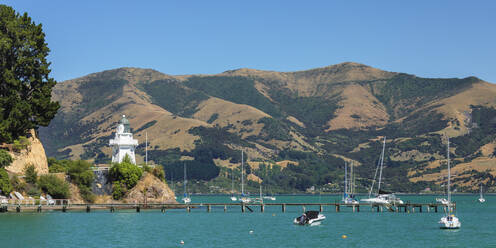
pixel 146 149
pixel 382 161
pixel 449 173
pixel 232 177
pixel 242 180
pixel 352 180
pixel 345 179
pixel 185 180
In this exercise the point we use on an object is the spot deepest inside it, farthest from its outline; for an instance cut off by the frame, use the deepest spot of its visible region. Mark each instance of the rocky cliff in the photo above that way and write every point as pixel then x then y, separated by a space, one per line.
pixel 153 188
pixel 34 154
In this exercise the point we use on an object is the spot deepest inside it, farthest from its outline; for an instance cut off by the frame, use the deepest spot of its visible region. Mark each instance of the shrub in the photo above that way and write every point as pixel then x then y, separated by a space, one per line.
pixel 5 159
pixel 54 186
pixel 81 174
pixel 126 173
pixel 5 185
pixel 159 172
pixel 55 165
pixel 31 176
pixel 118 190
pixel 17 184
pixel 32 190
pixel 21 143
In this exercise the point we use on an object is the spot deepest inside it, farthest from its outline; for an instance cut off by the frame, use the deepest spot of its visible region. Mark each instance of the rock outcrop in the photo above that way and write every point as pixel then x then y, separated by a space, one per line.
pixel 34 154
pixel 156 191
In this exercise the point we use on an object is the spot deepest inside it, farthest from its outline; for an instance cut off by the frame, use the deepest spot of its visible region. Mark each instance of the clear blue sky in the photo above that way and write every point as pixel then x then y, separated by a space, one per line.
pixel 425 38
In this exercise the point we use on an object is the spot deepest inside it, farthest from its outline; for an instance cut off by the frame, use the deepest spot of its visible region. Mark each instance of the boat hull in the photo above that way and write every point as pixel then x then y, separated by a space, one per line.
pixel 482 200
pixel 449 222
pixel 310 222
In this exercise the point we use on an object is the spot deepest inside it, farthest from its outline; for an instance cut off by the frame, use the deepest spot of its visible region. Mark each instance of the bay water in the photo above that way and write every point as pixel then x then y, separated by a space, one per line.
pixel 151 228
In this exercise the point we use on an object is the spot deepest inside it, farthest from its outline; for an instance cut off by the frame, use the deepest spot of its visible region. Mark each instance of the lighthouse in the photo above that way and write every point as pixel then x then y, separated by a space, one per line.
pixel 123 143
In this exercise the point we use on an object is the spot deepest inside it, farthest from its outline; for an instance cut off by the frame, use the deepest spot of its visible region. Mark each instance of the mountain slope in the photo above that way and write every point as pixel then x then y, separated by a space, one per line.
pixel 317 118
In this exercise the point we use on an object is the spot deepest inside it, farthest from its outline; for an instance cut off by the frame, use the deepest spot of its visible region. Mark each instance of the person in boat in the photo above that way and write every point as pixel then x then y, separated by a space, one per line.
pixel 303 219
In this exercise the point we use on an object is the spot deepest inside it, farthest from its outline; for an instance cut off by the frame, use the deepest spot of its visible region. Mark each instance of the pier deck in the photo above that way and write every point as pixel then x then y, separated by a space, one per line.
pixel 323 207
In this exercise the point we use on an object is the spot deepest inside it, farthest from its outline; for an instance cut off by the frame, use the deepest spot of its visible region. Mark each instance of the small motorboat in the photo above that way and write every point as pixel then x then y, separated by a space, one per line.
pixel 309 218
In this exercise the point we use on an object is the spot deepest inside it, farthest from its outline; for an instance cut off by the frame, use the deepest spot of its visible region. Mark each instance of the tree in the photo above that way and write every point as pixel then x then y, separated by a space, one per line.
pixel 31 176
pixel 5 185
pixel 57 188
pixel 5 159
pixel 25 85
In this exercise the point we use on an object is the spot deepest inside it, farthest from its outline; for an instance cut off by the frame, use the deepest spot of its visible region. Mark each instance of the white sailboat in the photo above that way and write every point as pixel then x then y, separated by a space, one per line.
pixel 186 199
pixel 233 198
pixel 268 197
pixel 382 197
pixel 449 221
pixel 481 198
pixel 243 198
pixel 348 196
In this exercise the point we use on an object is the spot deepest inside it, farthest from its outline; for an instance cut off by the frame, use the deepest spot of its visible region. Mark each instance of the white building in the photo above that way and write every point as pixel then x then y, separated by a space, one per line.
pixel 123 143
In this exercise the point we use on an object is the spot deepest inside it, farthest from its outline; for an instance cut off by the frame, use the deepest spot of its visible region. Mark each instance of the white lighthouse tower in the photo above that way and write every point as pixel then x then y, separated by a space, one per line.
pixel 123 144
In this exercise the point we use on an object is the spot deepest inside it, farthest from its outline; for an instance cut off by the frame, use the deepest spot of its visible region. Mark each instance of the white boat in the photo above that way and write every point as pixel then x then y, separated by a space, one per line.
pixel 449 221
pixel 309 218
pixel 348 196
pixel 272 198
pixel 186 199
pixel 481 198
pixel 382 197
pixel 243 198
pixel 443 201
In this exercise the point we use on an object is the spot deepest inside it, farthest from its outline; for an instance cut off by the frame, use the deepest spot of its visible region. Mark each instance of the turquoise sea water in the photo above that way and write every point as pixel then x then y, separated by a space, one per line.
pixel 270 229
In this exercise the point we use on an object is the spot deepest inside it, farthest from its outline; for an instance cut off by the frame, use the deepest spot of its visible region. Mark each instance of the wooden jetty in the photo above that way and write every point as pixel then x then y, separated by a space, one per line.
pixel 323 207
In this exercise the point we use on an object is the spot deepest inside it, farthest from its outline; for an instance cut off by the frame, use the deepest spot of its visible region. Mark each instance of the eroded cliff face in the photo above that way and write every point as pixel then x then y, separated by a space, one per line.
pixel 156 191
pixel 34 154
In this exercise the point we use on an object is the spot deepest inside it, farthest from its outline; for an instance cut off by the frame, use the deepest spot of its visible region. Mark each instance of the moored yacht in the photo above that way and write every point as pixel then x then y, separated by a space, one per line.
pixel 382 197
pixel 481 198
pixel 449 221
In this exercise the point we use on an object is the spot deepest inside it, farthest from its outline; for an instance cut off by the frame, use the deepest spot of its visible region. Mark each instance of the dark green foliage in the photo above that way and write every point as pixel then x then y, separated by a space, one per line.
pixel 21 143
pixel 55 165
pixel 118 190
pixel 5 185
pixel 196 169
pixel 485 131
pixel 81 174
pixel 174 97
pixel 17 184
pixel 404 93
pixel 274 129
pixel 213 118
pixel 57 188
pixel 420 122
pixel 25 85
pixel 314 111
pixel 30 174
pixel 5 159
pixel 98 93
pixel 235 89
pixel 147 125
pixel 125 173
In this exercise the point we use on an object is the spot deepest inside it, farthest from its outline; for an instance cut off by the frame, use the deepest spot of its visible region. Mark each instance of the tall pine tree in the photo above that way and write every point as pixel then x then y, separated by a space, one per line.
pixel 25 85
